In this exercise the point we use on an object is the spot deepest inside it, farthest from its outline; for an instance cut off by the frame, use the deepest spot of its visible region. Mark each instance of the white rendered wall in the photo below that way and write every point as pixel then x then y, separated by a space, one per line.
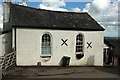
pixel 28 47
pixel 13 38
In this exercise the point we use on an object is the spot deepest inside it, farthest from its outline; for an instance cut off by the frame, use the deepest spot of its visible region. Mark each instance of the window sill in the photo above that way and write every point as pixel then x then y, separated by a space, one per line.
pixel 79 53
pixel 48 55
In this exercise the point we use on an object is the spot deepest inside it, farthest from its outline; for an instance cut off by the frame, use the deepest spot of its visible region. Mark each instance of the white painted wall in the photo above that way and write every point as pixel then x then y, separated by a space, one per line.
pixel 28 47
pixel 13 38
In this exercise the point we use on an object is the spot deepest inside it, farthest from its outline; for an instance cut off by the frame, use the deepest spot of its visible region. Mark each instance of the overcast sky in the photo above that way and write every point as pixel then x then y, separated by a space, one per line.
pixel 105 12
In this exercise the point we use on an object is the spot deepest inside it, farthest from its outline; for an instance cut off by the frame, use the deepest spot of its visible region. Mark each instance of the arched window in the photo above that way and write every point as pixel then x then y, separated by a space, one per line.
pixel 46 44
pixel 79 43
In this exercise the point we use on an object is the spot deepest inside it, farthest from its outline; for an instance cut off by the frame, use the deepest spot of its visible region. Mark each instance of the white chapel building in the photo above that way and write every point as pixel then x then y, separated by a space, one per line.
pixel 44 37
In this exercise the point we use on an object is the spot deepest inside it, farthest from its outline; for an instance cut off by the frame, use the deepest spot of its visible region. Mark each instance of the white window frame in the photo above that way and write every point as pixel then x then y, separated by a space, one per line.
pixel 79 43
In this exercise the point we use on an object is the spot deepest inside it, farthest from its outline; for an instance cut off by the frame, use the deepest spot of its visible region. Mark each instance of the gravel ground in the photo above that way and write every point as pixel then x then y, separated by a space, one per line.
pixel 62 72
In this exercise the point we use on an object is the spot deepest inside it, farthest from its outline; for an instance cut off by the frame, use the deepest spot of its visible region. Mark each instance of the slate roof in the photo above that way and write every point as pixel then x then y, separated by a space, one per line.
pixel 27 17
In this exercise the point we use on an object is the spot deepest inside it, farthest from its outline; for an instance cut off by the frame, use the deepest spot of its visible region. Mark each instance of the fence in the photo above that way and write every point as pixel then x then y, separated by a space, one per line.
pixel 7 61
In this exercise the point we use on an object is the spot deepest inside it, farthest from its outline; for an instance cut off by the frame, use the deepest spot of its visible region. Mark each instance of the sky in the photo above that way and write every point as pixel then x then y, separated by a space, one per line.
pixel 105 12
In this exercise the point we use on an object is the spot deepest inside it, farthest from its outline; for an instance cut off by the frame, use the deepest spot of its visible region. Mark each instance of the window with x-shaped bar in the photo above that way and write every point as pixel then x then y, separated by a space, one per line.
pixel 46 44
pixel 79 43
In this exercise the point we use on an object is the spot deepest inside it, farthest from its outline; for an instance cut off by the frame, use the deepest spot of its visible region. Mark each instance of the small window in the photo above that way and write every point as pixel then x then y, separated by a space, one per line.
pixel 46 44
pixel 79 43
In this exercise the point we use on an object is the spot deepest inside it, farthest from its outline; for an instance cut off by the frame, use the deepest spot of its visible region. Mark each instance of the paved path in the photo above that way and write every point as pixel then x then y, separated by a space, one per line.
pixel 62 72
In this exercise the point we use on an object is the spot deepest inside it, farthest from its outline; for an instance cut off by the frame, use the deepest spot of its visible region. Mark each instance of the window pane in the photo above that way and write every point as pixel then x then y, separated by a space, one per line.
pixel 79 43
pixel 46 44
